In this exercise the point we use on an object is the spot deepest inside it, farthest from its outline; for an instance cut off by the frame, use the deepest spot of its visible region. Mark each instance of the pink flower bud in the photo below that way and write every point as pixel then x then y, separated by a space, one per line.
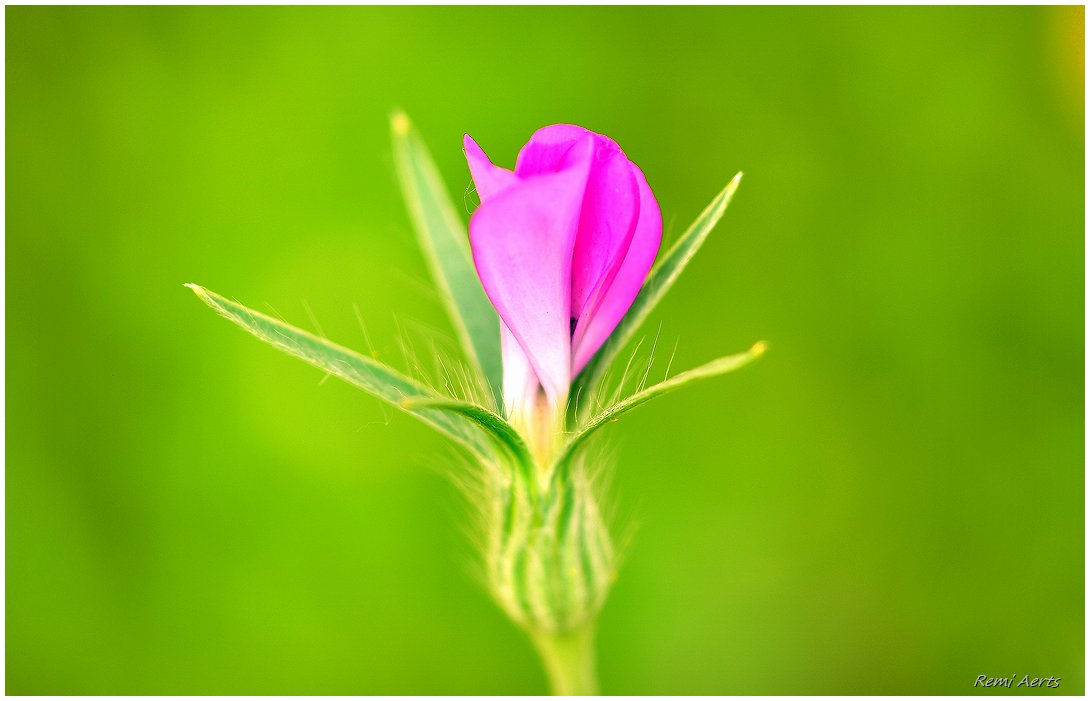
pixel 562 245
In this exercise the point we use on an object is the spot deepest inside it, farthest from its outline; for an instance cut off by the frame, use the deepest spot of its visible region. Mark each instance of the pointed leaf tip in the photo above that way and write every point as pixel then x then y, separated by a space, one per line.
pixel 400 123
pixel 731 187
pixel 199 291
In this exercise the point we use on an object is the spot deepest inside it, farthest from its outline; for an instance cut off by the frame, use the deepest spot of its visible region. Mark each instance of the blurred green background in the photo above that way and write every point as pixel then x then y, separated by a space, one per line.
pixel 891 501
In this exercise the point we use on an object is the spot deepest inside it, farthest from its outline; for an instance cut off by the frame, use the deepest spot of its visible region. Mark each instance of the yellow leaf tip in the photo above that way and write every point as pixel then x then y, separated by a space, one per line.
pixel 759 348
pixel 399 122
pixel 199 291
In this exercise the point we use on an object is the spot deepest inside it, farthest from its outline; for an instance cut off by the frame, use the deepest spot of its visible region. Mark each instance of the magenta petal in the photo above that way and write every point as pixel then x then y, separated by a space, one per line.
pixel 522 241
pixel 594 328
pixel 548 150
pixel 611 206
pixel 489 179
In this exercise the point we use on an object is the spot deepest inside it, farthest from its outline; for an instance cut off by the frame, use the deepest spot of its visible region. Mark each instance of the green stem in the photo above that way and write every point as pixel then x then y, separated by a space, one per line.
pixel 569 661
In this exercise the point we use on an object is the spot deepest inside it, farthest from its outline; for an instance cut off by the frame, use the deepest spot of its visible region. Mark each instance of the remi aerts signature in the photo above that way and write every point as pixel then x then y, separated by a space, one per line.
pixel 1013 681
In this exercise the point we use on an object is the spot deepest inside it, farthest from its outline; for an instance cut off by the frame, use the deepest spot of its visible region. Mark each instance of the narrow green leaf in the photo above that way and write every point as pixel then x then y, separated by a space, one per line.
pixel 659 281
pixel 443 238
pixel 716 367
pixel 498 429
pixel 366 373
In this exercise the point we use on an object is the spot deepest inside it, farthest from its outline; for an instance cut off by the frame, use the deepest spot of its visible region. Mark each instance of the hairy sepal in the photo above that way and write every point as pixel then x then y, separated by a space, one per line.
pixel 444 240
pixel 366 373
pixel 659 281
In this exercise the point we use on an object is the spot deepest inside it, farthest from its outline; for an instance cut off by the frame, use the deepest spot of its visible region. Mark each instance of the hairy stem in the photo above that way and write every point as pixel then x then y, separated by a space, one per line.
pixel 569 661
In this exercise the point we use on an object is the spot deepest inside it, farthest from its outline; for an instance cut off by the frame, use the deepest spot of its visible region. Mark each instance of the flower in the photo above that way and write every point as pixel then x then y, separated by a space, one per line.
pixel 562 245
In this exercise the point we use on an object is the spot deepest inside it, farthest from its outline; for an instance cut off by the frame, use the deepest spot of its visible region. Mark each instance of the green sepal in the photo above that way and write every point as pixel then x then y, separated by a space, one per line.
pixel 502 433
pixel 366 373
pixel 659 281
pixel 716 367
pixel 445 242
